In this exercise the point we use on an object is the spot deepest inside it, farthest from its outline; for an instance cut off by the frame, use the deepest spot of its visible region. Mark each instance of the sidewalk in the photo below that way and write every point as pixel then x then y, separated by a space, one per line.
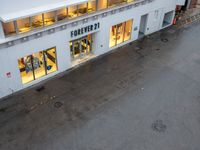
pixel 144 95
pixel 188 17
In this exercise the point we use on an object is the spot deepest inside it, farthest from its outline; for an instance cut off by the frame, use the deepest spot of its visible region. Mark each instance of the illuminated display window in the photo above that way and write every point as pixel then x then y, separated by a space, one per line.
pixel 102 4
pixel 129 1
pixel 113 32
pixel 115 2
pixel 82 9
pixel 37 21
pixel 24 25
pixel 72 11
pixel 92 6
pixel 61 14
pixel 49 18
pixel 9 28
pixel 37 65
pixel 128 30
pixel 120 33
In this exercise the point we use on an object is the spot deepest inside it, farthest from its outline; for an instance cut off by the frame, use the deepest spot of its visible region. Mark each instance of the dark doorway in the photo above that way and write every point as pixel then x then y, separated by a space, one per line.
pixel 184 8
pixel 143 25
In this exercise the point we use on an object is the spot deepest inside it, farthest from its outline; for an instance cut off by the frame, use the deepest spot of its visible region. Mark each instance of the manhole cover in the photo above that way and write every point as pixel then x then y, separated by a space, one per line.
pixel 164 40
pixel 58 104
pixel 159 126
pixel 138 48
pixel 40 89
pixel 122 84
pixel 157 49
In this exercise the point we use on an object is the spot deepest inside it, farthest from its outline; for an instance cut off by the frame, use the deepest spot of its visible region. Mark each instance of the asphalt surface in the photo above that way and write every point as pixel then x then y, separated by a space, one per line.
pixel 144 96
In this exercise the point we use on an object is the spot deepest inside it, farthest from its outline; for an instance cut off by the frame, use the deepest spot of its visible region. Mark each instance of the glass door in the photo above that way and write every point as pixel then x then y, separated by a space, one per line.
pixel 76 49
pixel 81 47
pixel 89 43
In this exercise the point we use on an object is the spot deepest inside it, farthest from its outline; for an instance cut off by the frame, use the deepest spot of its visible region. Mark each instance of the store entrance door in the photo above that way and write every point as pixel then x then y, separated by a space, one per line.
pixel 81 48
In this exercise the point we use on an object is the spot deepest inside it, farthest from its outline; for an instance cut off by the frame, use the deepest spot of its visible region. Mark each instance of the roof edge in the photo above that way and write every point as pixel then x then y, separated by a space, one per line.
pixel 37 10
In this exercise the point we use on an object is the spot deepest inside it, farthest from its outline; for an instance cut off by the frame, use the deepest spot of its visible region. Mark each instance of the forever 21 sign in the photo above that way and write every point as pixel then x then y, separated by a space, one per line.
pixel 85 30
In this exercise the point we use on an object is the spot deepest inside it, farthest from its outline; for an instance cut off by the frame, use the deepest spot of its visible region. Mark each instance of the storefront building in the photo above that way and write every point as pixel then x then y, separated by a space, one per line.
pixel 41 39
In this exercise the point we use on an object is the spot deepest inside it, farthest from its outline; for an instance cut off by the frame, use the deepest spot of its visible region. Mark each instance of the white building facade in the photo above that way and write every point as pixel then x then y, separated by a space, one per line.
pixel 41 39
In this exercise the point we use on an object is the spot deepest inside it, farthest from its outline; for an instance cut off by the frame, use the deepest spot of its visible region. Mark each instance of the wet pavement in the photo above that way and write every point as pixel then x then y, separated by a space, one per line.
pixel 144 96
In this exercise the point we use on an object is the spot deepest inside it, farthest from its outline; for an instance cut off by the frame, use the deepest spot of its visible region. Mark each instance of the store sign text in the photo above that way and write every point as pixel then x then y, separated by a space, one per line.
pixel 85 30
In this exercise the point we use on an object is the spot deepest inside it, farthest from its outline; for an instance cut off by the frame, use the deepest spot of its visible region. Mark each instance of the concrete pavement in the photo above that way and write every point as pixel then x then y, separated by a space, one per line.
pixel 144 96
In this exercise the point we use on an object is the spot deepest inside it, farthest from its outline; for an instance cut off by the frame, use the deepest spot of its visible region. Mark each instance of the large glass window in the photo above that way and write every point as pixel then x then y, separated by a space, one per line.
pixel 115 2
pixel 72 11
pixel 24 25
pixel 26 69
pixel 51 61
pixel 49 18
pixel 37 65
pixel 113 34
pixel 91 6
pixel 61 14
pixel 102 4
pixel 37 21
pixel 82 9
pixel 9 28
pixel 120 33
pixel 128 30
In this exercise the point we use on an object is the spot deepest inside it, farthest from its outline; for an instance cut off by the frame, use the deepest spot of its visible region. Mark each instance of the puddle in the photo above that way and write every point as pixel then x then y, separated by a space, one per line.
pixel 2 110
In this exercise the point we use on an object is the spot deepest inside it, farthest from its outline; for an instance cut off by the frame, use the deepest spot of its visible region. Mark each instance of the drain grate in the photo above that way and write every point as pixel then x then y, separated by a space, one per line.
pixel 40 89
pixel 159 126
pixel 164 40
pixel 58 104
pixel 157 49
